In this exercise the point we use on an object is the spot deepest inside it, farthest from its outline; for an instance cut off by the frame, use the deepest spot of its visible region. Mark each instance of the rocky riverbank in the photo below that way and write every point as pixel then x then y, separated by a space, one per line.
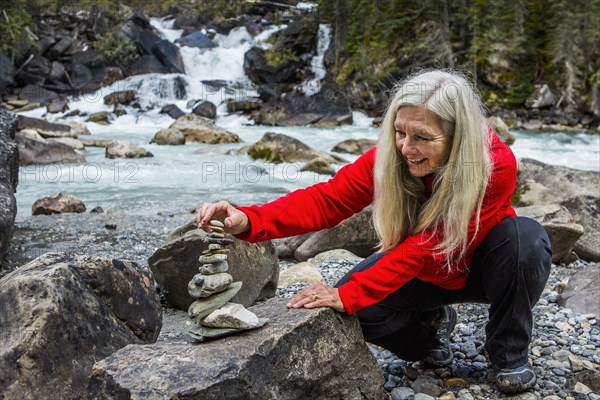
pixel 565 349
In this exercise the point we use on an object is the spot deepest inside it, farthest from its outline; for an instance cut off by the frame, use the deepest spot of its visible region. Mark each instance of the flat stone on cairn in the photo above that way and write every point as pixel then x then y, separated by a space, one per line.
pixel 212 314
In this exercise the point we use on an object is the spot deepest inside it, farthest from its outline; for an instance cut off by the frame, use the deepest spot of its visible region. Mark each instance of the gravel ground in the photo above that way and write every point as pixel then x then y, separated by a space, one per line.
pixel 564 350
pixel 113 235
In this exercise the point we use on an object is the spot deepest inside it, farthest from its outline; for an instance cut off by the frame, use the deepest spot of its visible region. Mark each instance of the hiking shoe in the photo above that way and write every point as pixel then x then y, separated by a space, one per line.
pixel 514 380
pixel 441 352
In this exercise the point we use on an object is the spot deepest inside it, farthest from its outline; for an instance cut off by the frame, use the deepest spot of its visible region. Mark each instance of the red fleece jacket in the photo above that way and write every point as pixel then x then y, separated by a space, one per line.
pixel 326 204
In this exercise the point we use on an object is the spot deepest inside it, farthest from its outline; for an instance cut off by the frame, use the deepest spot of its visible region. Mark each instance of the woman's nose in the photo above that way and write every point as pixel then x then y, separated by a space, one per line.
pixel 407 146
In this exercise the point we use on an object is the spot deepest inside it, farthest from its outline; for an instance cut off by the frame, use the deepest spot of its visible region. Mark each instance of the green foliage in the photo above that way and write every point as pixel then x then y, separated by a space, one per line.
pixel 508 45
pixel 278 54
pixel 14 19
pixel 115 49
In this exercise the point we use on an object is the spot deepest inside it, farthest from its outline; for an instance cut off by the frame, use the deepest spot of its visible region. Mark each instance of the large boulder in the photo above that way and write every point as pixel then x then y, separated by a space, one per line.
pixel 41 125
pixel 33 149
pixel 260 71
pixel 354 146
pixel 9 177
pixel 298 354
pixel 123 149
pixel 544 183
pixel 319 165
pixel 6 73
pixel 37 94
pixel 147 64
pixel 277 148
pixel 542 97
pixel 581 292
pixel 168 54
pixel 57 204
pixel 168 136
pixel 558 223
pixel 176 262
pixel 61 313
pixel 198 129
pixel 285 61
pixel 328 108
pixel 122 97
pixel 205 109
pixel 355 234
pixel 172 111
pixel 586 212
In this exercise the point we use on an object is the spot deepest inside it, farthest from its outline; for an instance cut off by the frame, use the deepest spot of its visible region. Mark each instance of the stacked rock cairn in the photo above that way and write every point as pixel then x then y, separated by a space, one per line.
pixel 212 315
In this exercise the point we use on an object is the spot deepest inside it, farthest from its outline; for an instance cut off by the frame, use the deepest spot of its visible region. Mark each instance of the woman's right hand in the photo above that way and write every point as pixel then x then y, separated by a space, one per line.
pixel 234 220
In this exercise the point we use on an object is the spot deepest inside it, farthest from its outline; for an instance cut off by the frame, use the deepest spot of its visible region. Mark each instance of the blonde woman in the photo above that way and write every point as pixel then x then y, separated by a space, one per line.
pixel 441 182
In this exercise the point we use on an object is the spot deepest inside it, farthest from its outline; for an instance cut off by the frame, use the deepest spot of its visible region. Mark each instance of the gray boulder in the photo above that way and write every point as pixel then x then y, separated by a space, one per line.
pixel 60 314
pixel 558 223
pixel 355 234
pixel 586 212
pixel 298 354
pixel 123 149
pixel 542 97
pixel 43 125
pixel 168 136
pixel 172 111
pixel 319 166
pixel 581 292
pixel 277 148
pixel 147 64
pixel 9 177
pixel 205 109
pixel 168 54
pixel 544 183
pixel 198 129
pixel 328 108
pixel 176 262
pixel 33 149
pixel 354 146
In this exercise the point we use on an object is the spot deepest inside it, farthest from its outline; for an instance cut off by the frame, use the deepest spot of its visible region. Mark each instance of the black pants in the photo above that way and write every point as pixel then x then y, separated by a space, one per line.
pixel 508 271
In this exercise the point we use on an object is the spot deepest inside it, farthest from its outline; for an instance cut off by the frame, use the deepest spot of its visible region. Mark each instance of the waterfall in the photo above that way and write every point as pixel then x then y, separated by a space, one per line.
pixel 313 86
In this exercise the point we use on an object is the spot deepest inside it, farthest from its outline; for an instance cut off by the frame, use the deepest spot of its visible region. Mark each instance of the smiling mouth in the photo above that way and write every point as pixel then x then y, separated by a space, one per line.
pixel 415 161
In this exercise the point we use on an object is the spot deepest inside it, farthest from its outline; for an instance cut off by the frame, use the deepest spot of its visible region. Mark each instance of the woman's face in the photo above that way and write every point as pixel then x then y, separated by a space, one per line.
pixel 421 140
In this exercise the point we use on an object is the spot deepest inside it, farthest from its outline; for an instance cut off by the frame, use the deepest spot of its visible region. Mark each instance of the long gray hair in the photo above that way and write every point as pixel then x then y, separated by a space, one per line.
pixel 401 208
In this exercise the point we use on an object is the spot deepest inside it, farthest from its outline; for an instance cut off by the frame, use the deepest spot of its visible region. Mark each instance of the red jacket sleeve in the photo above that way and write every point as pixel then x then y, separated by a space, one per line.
pixel 317 207
pixel 413 258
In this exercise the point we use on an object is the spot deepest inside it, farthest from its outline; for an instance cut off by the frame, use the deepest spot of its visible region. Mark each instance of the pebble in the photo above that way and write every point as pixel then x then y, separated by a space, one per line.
pixel 423 396
pixel 402 393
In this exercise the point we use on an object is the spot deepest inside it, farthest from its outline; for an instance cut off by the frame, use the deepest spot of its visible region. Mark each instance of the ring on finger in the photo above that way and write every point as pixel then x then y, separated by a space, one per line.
pixel 315 296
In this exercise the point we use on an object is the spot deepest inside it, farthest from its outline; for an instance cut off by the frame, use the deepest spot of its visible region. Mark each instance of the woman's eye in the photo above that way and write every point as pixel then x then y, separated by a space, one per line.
pixel 399 133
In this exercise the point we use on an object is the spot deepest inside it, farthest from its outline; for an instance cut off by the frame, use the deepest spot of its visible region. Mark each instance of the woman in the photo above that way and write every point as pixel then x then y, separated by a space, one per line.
pixel 441 182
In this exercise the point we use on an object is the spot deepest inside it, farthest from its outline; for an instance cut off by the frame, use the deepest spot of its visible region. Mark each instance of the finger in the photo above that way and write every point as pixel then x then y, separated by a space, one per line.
pixel 201 214
pixel 318 303
pixel 302 302
pixel 301 297
pixel 208 213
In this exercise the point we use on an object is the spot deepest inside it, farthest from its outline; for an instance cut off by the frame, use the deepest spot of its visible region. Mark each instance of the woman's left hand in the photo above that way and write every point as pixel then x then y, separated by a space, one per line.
pixel 317 295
